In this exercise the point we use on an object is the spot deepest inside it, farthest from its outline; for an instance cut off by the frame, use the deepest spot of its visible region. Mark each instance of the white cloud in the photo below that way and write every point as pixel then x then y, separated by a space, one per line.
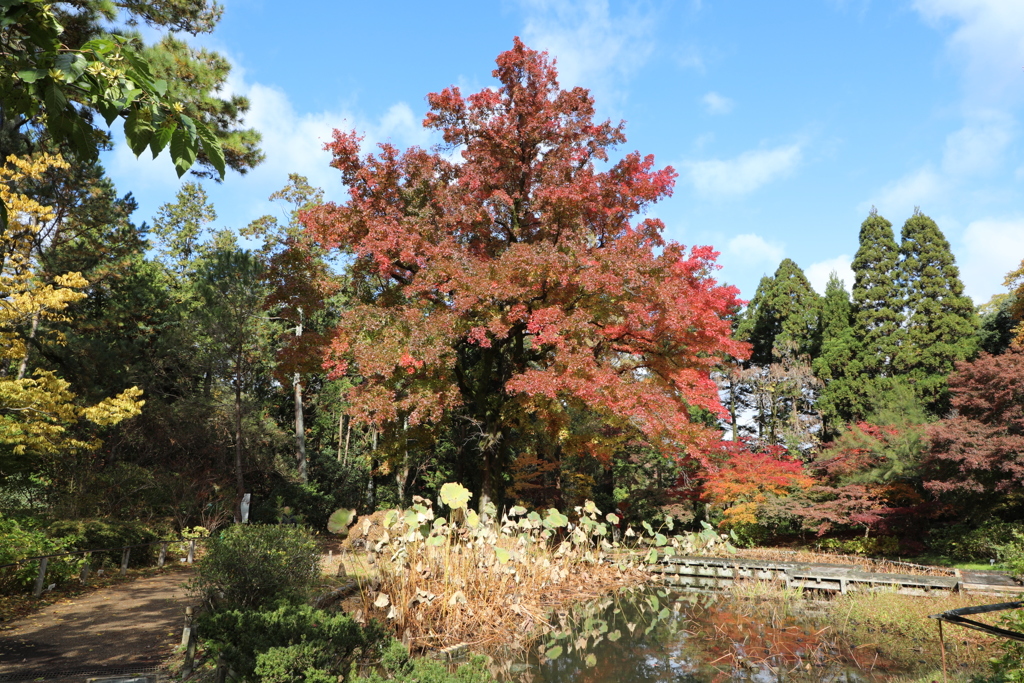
pixel 912 190
pixel 991 249
pixel 594 49
pixel 750 249
pixel 293 142
pixel 988 40
pixel 819 273
pixel 717 104
pixel 745 173
pixel 978 147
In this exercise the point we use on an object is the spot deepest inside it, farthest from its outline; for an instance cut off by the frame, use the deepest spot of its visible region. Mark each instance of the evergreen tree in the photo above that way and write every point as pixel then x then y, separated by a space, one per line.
pixel 782 318
pixel 940 323
pixel 877 311
pixel 836 354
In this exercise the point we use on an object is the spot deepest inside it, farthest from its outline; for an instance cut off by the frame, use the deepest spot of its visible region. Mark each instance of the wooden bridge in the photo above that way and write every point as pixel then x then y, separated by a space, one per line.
pixel 716 573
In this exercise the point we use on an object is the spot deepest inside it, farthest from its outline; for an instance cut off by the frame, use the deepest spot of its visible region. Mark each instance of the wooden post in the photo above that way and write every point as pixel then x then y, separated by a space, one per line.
pixel 84 576
pixel 124 560
pixel 191 550
pixel 188 641
pixel 41 579
pixel 163 554
pixel 222 670
pixel 942 648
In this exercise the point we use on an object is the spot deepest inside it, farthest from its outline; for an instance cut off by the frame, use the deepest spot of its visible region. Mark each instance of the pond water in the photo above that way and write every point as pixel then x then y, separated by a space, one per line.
pixel 664 635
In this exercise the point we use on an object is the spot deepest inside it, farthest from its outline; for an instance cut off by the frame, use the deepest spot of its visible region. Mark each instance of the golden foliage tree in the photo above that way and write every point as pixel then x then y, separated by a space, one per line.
pixel 38 412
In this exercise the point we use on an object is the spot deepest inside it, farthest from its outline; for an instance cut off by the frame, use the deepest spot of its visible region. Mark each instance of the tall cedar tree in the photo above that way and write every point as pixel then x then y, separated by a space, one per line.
pixel 977 455
pixel 515 285
pixel 878 311
pixel 940 324
pixel 782 318
pixel 835 354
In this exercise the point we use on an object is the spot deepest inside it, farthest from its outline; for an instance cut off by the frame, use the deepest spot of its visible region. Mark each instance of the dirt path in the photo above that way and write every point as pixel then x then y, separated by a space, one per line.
pixel 132 626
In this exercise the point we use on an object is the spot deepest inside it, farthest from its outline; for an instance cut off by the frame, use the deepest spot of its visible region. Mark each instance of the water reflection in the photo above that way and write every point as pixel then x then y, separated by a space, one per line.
pixel 660 635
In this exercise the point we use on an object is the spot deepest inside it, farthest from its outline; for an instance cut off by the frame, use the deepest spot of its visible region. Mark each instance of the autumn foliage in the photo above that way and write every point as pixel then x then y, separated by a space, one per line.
pixel 977 452
pixel 504 278
pixel 745 479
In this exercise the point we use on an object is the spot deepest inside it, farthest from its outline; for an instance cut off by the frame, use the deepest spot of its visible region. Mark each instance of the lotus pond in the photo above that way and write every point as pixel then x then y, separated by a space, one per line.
pixel 657 634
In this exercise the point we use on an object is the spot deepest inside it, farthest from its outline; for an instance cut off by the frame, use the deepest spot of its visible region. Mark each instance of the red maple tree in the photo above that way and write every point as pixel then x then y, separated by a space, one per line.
pixel 506 279
pixel 977 453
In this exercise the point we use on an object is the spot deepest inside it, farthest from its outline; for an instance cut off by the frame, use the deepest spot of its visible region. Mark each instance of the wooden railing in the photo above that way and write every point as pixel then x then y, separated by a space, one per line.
pixel 126 551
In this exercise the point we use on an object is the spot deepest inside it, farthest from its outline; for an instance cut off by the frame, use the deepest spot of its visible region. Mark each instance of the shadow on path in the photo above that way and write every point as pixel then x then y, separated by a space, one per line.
pixel 131 626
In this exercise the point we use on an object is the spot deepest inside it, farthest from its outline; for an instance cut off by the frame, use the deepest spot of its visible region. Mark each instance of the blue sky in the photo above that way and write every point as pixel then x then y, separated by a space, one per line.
pixel 786 122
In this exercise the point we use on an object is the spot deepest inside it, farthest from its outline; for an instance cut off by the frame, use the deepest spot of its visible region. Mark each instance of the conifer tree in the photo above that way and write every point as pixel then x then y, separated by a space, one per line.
pixel 877 310
pixel 940 323
pixel 782 318
pixel 837 351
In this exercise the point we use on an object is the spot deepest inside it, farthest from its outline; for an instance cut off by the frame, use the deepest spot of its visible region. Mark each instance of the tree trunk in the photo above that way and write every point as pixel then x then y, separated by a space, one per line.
pixel 23 366
pixel 239 480
pixel 300 425
pixel 402 472
pixel 487 488
pixel 300 433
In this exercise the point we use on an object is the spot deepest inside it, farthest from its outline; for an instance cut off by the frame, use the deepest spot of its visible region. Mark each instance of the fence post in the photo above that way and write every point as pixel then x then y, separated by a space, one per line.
pixel 188 641
pixel 163 554
pixel 191 550
pixel 41 579
pixel 84 576
pixel 124 560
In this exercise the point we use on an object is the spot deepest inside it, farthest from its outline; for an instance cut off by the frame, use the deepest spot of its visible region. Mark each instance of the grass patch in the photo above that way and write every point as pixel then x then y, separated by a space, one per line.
pixel 897 627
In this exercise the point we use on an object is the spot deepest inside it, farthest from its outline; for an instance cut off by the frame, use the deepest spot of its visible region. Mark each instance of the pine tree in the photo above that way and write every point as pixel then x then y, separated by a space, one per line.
pixel 877 311
pixel 940 324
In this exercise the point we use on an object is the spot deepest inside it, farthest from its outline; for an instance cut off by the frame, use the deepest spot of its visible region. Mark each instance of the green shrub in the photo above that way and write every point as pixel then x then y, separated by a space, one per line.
pixel 872 546
pixel 290 643
pixel 399 667
pixel 257 566
pixel 21 540
pixel 982 543
pixel 91 534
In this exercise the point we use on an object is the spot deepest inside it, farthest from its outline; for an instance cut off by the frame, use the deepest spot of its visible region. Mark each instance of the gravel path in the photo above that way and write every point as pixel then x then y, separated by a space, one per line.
pixel 134 625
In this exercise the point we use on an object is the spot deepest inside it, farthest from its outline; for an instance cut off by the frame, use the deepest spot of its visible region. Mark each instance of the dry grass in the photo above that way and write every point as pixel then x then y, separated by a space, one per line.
pixel 494 592
pixel 862 563
pixel 898 627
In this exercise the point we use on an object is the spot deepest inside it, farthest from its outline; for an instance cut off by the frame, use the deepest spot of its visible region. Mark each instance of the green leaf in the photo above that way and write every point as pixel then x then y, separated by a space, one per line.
pixel 646 525
pixel 517 511
pixel 101 46
pixel 160 86
pixel 652 556
pixel 435 541
pixel 54 97
pixel 660 540
pixel 31 75
pixel 591 660
pixel 502 555
pixel 472 519
pixel 555 519
pixel 138 132
pixel 340 521
pixel 184 148
pixel 554 653
pixel 614 635
pixel 612 518
pixel 456 496
pixel 108 111
pixel 161 137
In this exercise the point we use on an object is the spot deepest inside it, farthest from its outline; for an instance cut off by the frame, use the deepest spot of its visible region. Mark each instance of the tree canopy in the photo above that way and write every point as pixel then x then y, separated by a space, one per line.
pixel 508 286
